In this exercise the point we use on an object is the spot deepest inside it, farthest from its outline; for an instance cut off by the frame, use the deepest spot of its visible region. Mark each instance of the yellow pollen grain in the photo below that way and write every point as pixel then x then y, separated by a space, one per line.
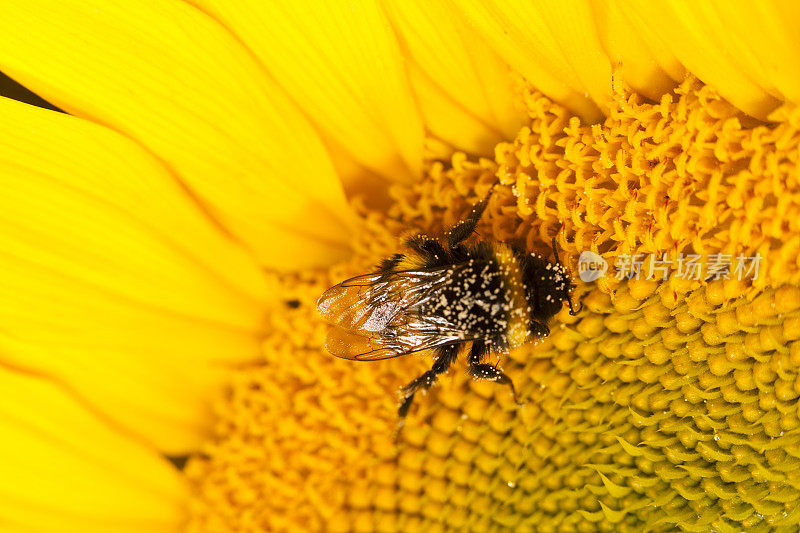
pixel 663 406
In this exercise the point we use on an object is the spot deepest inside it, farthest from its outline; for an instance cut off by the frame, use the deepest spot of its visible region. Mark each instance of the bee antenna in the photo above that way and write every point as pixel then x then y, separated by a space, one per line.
pixel 491 190
pixel 572 310
pixel 555 251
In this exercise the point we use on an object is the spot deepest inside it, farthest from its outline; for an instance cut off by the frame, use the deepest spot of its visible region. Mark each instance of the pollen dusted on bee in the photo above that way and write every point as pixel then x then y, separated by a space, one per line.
pixel 444 295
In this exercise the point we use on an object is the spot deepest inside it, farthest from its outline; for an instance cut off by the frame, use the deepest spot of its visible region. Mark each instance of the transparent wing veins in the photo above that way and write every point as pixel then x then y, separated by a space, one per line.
pixel 376 316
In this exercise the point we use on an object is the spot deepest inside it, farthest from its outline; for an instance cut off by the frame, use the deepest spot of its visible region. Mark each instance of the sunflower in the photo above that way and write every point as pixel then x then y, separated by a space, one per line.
pixel 220 163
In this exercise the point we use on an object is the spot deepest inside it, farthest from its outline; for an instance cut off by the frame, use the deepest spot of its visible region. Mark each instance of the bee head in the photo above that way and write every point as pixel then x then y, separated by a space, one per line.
pixel 547 286
pixel 567 282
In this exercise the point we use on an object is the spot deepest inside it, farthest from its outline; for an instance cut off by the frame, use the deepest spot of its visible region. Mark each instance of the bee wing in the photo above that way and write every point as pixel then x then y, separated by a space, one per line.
pixel 375 316
pixel 358 347
pixel 362 346
pixel 369 303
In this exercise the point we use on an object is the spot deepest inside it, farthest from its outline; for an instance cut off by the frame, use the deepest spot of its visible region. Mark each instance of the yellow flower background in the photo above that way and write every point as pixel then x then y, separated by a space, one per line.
pixel 222 162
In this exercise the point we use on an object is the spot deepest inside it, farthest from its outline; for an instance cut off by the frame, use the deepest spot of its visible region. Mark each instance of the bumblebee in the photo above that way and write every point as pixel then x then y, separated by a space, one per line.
pixel 443 295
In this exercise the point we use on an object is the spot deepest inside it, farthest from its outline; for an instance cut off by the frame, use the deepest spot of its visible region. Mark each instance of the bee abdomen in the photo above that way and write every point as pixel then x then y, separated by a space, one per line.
pixel 518 311
pixel 472 299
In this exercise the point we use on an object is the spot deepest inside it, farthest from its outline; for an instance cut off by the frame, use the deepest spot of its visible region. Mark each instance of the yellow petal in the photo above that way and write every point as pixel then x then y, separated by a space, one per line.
pixel 643 61
pixel 704 44
pixel 555 45
pixel 11 89
pixel 64 470
pixel 174 80
pixel 340 62
pixel 765 42
pixel 463 88
pixel 113 282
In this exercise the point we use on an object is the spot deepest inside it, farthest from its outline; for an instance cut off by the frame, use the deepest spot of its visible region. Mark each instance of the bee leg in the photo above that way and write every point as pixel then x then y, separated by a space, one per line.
pixel 388 264
pixel 476 352
pixel 425 381
pixel 492 373
pixel 429 248
pixel 447 354
pixel 480 370
pixel 464 229
pixel 539 329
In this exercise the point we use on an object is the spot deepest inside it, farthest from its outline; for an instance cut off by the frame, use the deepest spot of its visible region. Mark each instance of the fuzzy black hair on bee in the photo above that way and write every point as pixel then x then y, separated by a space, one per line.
pixel 444 295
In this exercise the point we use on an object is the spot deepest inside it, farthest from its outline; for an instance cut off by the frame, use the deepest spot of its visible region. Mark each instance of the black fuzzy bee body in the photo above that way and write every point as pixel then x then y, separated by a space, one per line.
pixel 442 295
